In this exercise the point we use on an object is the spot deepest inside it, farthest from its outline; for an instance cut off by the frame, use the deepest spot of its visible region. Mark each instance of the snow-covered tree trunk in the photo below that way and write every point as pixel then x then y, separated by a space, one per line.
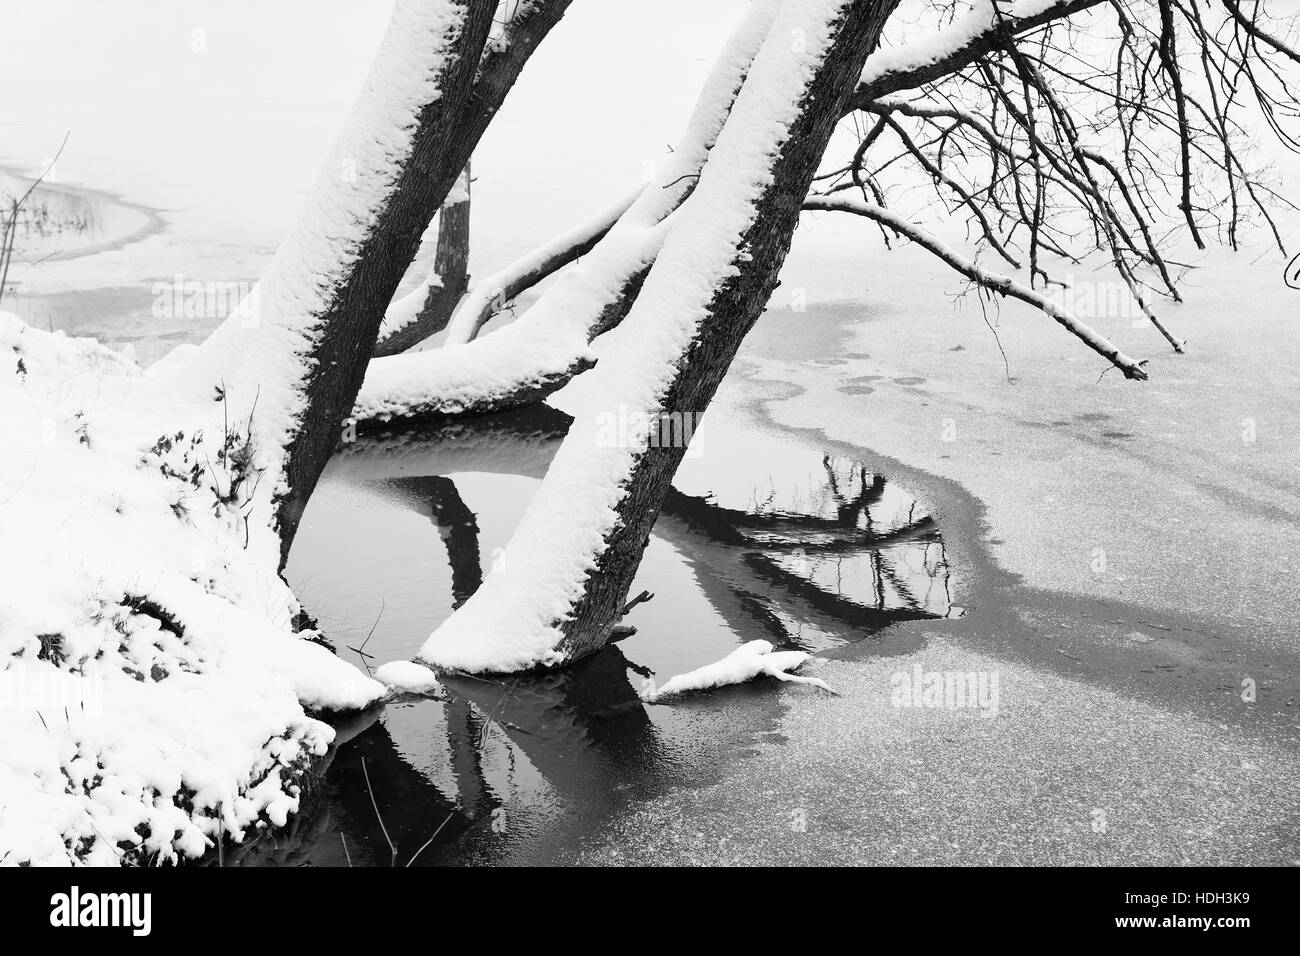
pixel 316 314
pixel 301 350
pixel 159 614
pixel 560 586
pixel 532 357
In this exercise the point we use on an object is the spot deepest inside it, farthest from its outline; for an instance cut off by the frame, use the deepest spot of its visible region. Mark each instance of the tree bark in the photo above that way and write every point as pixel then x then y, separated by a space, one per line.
pixel 449 279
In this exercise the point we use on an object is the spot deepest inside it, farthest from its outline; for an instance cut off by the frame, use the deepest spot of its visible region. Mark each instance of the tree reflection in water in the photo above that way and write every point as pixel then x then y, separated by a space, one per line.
pixel 807 569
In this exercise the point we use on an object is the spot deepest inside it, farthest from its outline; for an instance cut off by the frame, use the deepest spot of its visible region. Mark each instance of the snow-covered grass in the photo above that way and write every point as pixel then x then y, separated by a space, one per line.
pixel 153 683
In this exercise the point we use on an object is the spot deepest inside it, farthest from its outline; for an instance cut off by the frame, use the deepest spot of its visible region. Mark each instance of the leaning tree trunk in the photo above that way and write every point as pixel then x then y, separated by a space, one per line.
pixel 298 363
pixel 540 352
pixel 736 305
pixel 562 583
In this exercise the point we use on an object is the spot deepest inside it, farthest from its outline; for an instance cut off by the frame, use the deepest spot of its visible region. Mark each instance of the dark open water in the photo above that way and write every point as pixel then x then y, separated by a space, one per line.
pixel 763 538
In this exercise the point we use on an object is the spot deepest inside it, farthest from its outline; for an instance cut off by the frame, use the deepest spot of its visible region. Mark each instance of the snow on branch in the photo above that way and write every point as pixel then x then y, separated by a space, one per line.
pixel 940 52
pixel 499 290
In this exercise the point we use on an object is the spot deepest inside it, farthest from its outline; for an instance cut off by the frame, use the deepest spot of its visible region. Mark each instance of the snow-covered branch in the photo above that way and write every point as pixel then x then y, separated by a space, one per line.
pixel 752 659
pixel 499 290
pixel 956 46
pixel 992 281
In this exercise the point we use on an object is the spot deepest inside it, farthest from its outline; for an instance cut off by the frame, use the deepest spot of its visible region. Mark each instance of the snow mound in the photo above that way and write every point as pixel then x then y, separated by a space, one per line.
pixel 408 677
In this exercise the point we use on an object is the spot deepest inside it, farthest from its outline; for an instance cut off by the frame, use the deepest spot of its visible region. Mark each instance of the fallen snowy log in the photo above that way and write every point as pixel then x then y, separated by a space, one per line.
pixel 750 660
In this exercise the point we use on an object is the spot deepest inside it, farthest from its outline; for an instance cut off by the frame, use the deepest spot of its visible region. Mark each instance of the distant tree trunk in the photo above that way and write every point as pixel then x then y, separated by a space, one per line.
pixel 451 259
pixel 448 279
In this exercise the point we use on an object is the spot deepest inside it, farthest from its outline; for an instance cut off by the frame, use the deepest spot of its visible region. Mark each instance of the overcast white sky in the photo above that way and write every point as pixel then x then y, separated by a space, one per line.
pixel 228 138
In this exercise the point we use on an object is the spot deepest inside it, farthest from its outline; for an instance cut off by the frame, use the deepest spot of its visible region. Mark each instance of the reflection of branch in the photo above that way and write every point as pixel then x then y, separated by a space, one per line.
pixel 801 531
pixel 436 496
pixel 720 542
pixel 856 539
pixel 887 571
pixel 466 758
pixel 834 605
pixel 520 442
pixel 579 727
pixel 744 583
pixel 460 534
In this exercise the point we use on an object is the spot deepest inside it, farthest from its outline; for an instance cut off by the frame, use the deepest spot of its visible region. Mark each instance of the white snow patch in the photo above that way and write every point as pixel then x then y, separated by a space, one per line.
pixel 408 677
pixel 750 660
